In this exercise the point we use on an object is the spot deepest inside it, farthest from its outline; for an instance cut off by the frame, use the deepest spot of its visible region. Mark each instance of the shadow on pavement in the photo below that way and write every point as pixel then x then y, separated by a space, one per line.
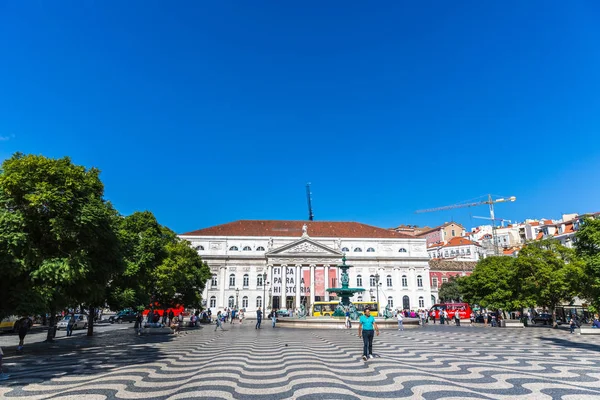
pixel 572 345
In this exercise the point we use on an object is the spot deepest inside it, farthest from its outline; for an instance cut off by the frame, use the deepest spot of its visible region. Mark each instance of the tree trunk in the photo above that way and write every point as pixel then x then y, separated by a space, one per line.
pixel 91 316
pixel 51 326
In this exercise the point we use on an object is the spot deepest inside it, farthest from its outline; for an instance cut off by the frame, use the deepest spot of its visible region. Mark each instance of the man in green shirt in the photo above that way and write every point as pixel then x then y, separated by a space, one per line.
pixel 366 328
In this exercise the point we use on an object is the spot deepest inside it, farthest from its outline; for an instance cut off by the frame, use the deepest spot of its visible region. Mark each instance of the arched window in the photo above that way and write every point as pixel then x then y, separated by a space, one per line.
pixel 259 280
pixel 213 281
pixel 199 248
pixel 231 302
pixel 419 281
pixel 359 280
pixel 246 281
pixel 233 248
pixel 258 302
pixel 432 299
pixel 247 248
pixel 402 250
pixel 446 253
pixel 359 298
pixel 244 301
pixel 370 250
pixel 404 281
pixel 345 249
pixel 406 303
pixel 372 281
pixel 358 250
pixel 389 281
pixel 231 280
pixel 391 302
pixel 213 301
pixel 421 302
pixel 260 248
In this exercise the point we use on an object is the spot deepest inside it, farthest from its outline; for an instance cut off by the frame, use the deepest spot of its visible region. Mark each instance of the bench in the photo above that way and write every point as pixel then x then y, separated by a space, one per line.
pixel 588 331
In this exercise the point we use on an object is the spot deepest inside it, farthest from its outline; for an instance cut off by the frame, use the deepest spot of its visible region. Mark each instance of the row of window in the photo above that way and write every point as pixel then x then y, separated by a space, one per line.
pixel 390 302
pixel 245 280
pixel 434 281
pixel 369 250
pixel 261 248
pixel 359 282
pixel 452 252
pixel 388 279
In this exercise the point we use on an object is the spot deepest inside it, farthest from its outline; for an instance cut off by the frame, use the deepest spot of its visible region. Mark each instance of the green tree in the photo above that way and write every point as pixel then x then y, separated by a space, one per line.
pixel 492 284
pixel 160 268
pixel 58 234
pixel 587 247
pixel 547 274
pixel 450 290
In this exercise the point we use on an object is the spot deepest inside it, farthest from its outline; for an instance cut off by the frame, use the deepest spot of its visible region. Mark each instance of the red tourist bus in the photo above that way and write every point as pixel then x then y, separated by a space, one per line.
pixel 463 310
pixel 157 309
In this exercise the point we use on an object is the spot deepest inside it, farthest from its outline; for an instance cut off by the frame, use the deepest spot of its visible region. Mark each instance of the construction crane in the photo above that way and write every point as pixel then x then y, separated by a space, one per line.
pixel 489 202
pixel 309 199
pixel 502 221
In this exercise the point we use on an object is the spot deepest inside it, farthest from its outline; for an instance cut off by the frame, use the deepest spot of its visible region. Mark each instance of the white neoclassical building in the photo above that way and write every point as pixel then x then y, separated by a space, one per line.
pixel 299 259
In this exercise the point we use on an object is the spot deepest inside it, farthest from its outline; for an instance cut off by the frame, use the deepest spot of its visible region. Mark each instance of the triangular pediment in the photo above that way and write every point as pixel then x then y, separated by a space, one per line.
pixel 305 247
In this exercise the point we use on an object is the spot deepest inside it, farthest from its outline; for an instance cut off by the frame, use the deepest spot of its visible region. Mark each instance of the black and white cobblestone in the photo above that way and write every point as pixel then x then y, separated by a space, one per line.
pixel 244 363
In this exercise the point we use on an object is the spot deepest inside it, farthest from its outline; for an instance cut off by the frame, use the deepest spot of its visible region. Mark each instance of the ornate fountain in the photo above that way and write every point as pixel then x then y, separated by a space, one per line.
pixel 344 292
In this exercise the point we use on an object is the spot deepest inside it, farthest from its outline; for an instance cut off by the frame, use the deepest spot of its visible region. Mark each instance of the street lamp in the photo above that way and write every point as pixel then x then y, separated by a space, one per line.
pixel 377 283
pixel 237 295
pixel 264 299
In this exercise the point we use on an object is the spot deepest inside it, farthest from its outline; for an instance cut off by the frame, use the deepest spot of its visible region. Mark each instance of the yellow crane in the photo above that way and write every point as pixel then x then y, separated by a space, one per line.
pixel 490 201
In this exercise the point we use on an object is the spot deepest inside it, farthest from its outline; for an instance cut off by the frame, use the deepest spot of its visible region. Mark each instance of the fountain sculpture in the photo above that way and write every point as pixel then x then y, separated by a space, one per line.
pixel 345 292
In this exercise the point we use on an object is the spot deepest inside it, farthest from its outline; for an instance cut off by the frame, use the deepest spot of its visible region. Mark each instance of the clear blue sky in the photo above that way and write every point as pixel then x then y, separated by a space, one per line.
pixel 208 112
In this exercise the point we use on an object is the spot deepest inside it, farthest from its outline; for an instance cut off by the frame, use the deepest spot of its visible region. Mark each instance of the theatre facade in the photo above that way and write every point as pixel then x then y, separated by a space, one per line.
pixel 284 264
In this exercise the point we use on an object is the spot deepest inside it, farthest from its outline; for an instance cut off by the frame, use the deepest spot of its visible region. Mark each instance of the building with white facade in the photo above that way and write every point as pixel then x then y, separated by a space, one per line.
pixel 458 249
pixel 299 259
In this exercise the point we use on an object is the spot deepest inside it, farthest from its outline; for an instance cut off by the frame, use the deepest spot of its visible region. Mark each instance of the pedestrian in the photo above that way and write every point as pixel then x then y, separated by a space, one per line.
pixel 23 326
pixel 139 323
pixel 171 316
pixel 241 316
pixel 457 318
pixel 432 316
pixel 70 324
pixel 441 317
pixel 232 316
pixel 400 323
pixel 258 318
pixel 572 325
pixel 493 320
pixel 347 323
pixel 472 318
pixel 367 326
pixel 274 317
pixel 219 322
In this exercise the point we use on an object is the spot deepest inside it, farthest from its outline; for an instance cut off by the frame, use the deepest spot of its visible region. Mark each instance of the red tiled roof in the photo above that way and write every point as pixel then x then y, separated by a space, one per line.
pixel 569 228
pixel 548 222
pixel 294 229
pixel 534 223
pixel 459 241
pixel 540 235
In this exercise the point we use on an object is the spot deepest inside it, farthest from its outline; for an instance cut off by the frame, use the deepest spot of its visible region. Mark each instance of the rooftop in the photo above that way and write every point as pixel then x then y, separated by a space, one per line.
pixel 294 229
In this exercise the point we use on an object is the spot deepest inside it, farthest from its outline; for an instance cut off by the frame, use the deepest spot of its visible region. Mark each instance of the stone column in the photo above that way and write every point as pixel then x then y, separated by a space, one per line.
pixel 283 295
pixel 298 286
pixel 312 284
pixel 221 302
pixel 326 268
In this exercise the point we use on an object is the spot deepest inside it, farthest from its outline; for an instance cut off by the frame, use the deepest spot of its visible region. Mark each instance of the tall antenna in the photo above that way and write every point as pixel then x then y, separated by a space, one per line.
pixel 308 198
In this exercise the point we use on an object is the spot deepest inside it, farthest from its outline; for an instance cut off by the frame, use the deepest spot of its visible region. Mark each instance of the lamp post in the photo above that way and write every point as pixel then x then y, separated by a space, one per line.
pixel 377 283
pixel 264 299
pixel 237 295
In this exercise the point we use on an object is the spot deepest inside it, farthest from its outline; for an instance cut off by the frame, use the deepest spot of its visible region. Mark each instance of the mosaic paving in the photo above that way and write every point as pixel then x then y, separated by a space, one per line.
pixel 244 363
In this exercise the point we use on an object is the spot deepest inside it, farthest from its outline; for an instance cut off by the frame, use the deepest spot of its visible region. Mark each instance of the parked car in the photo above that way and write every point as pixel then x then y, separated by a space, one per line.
pixel 8 323
pixel 543 318
pixel 123 316
pixel 81 322
pixel 283 313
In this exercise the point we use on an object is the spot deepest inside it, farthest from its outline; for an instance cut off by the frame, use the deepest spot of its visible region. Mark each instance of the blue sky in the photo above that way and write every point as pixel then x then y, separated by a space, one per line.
pixel 209 112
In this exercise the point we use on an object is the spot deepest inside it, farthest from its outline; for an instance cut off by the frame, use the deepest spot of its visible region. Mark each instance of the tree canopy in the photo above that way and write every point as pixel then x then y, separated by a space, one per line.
pixel 587 247
pixel 63 245
pixel 450 290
